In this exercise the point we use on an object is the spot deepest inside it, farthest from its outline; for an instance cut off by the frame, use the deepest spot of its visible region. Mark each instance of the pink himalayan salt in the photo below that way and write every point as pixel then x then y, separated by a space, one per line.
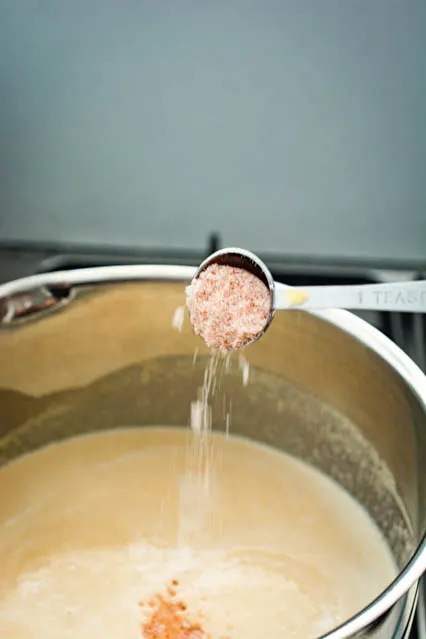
pixel 229 307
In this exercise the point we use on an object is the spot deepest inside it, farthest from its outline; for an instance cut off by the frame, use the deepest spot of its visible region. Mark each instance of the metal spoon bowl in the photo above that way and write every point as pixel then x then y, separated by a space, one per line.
pixel 243 259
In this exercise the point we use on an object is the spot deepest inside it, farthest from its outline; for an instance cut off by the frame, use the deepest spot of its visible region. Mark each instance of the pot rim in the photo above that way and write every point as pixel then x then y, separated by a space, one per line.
pixel 344 320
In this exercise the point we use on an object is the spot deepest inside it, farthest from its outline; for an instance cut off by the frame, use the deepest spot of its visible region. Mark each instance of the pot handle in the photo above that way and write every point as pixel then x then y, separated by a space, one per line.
pixel 33 302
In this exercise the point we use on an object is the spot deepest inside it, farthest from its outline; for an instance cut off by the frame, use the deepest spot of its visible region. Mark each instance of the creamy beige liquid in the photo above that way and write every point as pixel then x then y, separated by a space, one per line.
pixel 91 526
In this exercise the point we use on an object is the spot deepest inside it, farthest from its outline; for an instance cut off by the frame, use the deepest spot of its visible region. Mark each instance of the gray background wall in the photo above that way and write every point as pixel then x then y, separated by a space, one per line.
pixel 291 126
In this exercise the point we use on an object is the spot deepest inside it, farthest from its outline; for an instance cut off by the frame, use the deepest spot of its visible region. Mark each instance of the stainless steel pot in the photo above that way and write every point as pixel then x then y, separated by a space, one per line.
pixel 95 349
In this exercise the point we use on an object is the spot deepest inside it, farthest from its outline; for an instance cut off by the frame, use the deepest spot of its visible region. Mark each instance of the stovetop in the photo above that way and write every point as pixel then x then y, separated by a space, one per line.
pixel 406 330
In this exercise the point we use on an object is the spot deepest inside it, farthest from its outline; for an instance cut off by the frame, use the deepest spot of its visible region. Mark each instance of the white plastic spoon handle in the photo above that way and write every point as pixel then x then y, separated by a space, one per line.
pixel 405 297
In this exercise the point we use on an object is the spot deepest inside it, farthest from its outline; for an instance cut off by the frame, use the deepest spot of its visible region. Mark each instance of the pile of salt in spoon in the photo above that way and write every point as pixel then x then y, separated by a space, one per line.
pixel 228 306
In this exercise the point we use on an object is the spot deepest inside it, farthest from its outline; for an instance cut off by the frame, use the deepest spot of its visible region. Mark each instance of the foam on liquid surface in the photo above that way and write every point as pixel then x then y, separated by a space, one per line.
pixel 91 526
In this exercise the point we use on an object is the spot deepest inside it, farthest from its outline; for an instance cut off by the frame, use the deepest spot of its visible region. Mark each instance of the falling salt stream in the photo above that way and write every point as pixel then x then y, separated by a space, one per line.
pixel 197 492
pixel 196 487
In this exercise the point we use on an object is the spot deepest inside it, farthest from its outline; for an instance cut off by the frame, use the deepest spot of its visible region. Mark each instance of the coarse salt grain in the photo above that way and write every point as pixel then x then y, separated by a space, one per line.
pixel 245 369
pixel 228 306
pixel 178 318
